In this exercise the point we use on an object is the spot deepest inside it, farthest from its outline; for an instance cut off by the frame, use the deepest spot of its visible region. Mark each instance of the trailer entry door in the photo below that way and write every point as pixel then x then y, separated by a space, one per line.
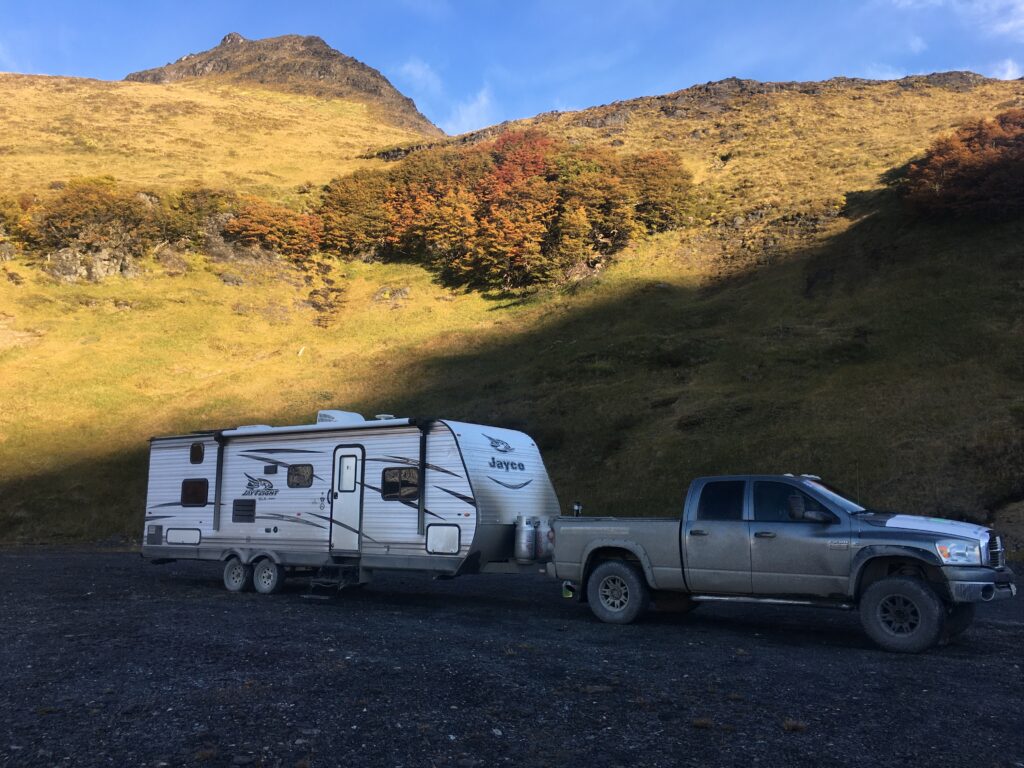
pixel 347 498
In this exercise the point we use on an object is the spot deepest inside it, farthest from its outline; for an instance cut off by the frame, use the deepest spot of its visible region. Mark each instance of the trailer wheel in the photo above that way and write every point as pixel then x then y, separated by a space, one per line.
pixel 617 592
pixel 902 614
pixel 268 577
pixel 237 575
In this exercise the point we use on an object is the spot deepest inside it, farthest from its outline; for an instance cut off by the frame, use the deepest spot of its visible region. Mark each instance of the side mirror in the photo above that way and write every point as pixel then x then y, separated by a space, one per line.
pixel 819 516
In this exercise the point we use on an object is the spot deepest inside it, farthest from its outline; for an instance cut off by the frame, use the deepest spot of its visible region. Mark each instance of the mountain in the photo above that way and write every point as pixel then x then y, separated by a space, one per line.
pixel 805 321
pixel 297 64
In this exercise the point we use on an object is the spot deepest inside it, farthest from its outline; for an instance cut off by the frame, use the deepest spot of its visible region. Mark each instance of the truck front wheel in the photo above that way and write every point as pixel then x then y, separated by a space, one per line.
pixel 616 592
pixel 902 614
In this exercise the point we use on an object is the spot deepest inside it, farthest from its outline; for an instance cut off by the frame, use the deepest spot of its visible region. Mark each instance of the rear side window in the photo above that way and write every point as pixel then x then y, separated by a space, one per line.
pixel 721 500
pixel 300 475
pixel 195 493
pixel 400 484
pixel 781 503
pixel 195 453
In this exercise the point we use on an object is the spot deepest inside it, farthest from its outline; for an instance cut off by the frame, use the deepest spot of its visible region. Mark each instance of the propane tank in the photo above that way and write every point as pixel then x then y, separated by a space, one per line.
pixel 526 544
pixel 545 540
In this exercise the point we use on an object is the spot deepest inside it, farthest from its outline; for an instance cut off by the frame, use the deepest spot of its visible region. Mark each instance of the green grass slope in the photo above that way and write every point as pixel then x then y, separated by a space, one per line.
pixel 819 327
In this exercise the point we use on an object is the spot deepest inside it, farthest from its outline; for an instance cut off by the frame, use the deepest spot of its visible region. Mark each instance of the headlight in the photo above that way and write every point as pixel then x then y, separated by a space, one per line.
pixel 959 552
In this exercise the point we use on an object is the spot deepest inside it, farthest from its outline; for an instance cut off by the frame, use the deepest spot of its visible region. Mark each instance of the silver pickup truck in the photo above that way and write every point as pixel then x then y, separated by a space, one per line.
pixel 791 540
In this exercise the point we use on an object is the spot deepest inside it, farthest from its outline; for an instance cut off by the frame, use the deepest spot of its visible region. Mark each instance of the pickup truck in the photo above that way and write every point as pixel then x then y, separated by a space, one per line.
pixel 788 539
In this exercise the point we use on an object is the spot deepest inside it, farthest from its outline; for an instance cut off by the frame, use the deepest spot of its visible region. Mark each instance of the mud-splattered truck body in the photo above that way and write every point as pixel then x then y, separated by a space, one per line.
pixel 793 540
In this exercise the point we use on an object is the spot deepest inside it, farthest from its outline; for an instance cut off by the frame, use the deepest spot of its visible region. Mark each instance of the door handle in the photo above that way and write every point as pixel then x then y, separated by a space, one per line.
pixel 335 494
pixel 765 534
pixel 698 532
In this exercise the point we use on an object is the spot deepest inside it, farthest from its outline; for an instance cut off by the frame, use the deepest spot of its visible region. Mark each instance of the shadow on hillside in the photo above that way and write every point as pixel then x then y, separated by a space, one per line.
pixel 830 360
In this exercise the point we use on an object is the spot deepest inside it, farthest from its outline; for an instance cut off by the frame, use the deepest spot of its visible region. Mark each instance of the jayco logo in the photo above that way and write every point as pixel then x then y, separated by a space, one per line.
pixel 508 466
pixel 499 445
pixel 258 487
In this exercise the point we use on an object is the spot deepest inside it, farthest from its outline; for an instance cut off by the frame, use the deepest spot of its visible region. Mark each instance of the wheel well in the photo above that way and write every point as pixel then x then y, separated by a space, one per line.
pixel 883 567
pixel 603 554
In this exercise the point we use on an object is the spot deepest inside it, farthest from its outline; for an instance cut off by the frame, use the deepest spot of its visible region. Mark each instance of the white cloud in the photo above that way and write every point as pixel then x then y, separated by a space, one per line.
pixel 882 72
pixel 476 112
pixel 421 77
pixel 7 62
pixel 998 17
pixel 1007 69
pixel 917 44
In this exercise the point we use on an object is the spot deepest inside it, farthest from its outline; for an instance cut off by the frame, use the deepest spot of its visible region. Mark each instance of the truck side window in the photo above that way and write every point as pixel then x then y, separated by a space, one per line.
pixel 721 500
pixel 781 503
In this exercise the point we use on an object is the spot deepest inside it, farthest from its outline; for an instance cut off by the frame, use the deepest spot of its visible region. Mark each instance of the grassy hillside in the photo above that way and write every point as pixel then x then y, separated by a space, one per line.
pixel 246 139
pixel 807 322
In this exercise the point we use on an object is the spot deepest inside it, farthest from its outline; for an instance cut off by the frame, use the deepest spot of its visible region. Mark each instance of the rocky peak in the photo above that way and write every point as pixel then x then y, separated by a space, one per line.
pixel 295 63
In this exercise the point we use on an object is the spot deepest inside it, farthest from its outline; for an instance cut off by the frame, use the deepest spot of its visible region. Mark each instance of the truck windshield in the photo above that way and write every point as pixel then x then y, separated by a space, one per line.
pixel 835 496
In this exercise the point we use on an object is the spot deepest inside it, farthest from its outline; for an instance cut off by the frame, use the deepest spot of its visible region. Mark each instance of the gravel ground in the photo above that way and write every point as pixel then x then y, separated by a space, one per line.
pixel 111 661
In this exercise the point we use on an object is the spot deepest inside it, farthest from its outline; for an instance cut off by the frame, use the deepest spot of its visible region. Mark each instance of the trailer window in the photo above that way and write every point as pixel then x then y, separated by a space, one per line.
pixel 195 493
pixel 721 500
pixel 400 484
pixel 196 452
pixel 300 475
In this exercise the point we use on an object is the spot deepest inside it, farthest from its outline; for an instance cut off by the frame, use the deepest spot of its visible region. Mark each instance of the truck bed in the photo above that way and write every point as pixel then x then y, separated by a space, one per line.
pixel 654 541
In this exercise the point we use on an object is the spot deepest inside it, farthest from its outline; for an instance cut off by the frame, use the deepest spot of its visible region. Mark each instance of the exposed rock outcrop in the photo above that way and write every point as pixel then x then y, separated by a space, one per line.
pixel 299 64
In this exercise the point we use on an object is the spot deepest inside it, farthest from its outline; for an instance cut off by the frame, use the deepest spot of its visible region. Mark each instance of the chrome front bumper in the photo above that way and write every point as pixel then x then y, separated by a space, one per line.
pixel 1000 588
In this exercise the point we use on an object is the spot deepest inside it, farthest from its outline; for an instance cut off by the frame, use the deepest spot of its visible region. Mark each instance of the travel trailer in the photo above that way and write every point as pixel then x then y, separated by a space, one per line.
pixel 347 496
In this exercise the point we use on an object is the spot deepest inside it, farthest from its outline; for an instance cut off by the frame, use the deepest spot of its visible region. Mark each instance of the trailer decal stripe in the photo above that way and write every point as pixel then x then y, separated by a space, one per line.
pixel 158 517
pixel 414 505
pixel 286 450
pixel 346 527
pixel 287 518
pixel 166 504
pixel 411 463
pixel 265 460
pixel 468 499
pixel 513 486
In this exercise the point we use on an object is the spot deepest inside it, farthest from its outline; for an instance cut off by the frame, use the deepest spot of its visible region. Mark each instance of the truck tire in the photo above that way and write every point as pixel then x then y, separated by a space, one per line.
pixel 958 619
pixel 902 614
pixel 268 577
pixel 617 592
pixel 237 576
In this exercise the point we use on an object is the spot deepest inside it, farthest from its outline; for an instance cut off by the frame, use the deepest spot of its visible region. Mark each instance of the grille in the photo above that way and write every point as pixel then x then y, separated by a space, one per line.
pixel 996 552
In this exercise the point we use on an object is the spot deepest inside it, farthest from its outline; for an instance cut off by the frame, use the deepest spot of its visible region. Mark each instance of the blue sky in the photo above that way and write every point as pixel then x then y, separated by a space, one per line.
pixel 470 64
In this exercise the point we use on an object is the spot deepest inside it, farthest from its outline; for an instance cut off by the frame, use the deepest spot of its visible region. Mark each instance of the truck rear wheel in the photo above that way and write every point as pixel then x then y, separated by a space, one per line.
pixel 268 577
pixel 902 614
pixel 237 575
pixel 617 592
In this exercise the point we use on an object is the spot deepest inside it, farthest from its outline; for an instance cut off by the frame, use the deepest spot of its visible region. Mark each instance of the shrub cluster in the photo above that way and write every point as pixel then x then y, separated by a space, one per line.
pixel 522 209
pixel 977 170
pixel 258 223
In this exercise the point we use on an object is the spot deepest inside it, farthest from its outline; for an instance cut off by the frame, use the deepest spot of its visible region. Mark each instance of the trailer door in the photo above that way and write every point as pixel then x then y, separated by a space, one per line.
pixel 347 498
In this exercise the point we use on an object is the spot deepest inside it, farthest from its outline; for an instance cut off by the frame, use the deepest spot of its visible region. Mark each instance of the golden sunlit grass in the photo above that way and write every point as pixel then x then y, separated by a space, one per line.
pixel 878 350
pixel 246 139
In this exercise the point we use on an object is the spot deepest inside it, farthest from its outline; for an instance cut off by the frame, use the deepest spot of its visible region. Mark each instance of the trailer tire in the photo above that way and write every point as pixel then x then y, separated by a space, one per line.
pixel 617 592
pixel 902 614
pixel 268 577
pixel 237 576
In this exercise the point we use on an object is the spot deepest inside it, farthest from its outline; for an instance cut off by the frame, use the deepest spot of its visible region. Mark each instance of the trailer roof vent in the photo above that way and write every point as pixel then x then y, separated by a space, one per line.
pixel 251 427
pixel 338 417
pixel 384 416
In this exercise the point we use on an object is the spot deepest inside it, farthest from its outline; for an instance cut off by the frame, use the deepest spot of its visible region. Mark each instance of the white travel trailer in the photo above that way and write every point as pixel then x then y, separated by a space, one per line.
pixel 349 496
